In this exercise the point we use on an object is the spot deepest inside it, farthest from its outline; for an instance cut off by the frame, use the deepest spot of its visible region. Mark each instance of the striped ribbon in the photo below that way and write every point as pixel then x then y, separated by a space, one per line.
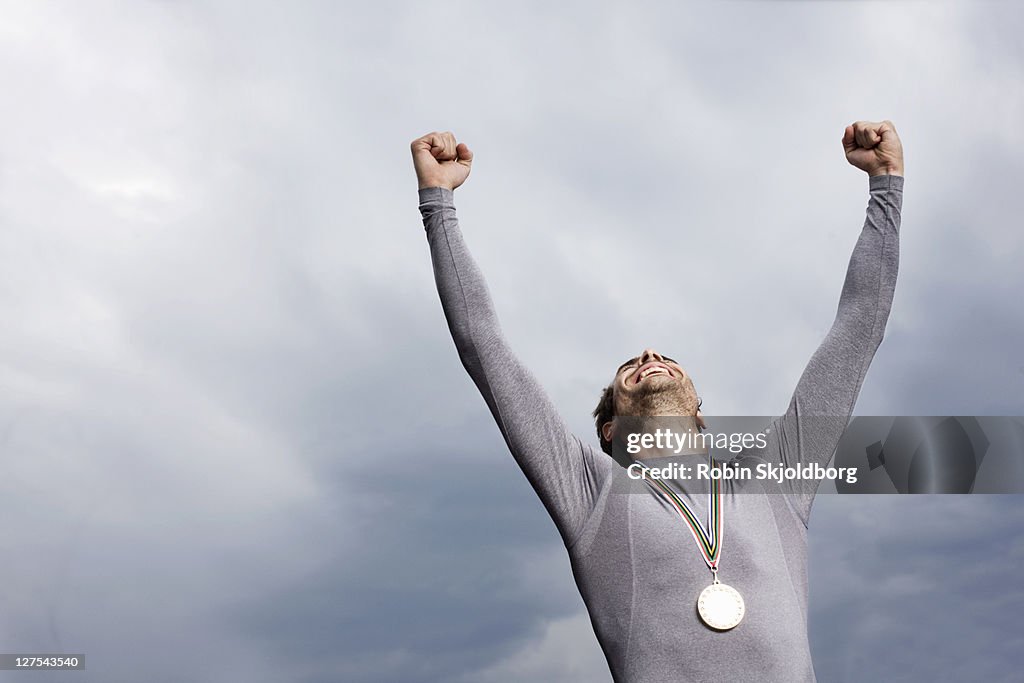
pixel 709 542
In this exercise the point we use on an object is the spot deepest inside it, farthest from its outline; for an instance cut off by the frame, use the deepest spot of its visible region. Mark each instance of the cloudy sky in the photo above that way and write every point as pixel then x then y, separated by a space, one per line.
pixel 237 442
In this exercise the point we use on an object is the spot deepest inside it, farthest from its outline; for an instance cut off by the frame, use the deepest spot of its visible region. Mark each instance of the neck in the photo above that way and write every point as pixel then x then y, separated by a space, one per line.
pixel 645 437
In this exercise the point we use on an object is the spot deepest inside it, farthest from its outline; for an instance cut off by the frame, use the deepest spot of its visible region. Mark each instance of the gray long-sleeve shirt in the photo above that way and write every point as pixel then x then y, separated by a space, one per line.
pixel 636 565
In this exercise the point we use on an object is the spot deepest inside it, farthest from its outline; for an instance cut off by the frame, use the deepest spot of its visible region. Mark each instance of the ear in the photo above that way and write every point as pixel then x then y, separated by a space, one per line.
pixel 700 420
pixel 608 430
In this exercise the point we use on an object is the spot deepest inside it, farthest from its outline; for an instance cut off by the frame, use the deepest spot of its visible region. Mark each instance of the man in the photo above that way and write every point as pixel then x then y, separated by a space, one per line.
pixel 633 556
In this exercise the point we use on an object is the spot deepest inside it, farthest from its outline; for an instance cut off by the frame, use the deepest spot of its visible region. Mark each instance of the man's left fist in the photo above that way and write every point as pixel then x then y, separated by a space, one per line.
pixel 874 147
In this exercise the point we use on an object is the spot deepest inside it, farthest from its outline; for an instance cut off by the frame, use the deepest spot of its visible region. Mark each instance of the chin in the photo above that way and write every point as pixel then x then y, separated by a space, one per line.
pixel 660 384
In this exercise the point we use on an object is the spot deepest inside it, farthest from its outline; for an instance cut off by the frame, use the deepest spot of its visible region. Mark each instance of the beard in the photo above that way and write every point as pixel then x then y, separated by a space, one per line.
pixel 660 397
pixel 646 408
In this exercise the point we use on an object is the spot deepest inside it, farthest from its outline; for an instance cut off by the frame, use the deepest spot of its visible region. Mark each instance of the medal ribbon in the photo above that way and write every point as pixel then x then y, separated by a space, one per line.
pixel 709 542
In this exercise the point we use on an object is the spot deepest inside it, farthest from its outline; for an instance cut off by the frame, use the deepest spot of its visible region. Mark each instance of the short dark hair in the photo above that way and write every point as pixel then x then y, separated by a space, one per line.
pixel 605 412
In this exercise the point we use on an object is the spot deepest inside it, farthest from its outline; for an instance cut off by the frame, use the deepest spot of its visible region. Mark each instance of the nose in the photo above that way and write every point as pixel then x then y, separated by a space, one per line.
pixel 649 355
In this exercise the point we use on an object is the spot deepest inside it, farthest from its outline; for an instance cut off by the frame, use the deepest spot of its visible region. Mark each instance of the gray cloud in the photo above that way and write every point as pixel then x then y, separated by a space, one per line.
pixel 914 589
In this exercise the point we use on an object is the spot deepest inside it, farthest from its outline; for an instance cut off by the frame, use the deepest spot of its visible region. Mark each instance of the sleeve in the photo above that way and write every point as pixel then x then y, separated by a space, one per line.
pixel 566 473
pixel 824 398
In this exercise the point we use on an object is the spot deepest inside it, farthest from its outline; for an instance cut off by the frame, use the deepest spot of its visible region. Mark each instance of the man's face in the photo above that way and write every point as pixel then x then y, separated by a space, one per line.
pixel 652 384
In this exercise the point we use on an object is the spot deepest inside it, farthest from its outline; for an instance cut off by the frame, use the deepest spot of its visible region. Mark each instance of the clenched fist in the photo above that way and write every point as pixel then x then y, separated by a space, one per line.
pixel 440 162
pixel 874 147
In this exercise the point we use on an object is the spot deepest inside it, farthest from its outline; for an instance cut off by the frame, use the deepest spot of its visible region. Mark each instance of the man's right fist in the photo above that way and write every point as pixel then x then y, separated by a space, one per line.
pixel 439 161
pixel 874 147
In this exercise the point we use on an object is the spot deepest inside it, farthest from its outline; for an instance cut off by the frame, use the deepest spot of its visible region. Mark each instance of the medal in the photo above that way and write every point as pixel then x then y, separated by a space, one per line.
pixel 720 606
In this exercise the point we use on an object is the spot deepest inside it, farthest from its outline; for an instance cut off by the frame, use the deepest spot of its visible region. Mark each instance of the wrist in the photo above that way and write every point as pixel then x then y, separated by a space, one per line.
pixel 888 170
pixel 427 183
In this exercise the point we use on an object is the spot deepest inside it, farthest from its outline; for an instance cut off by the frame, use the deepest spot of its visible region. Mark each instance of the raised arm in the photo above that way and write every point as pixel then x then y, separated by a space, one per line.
pixel 827 391
pixel 566 473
